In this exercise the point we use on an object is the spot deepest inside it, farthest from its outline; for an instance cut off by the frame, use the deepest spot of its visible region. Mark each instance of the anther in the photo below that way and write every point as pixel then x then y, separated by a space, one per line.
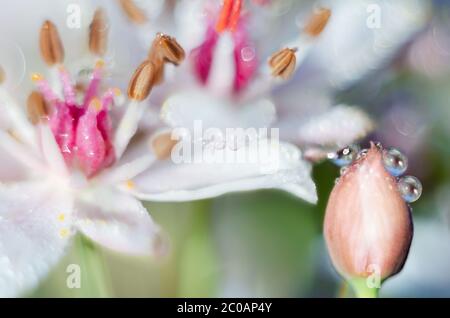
pixel 36 107
pixel 142 81
pixel 52 50
pixel 133 12
pixel 283 63
pixel 98 33
pixel 2 75
pixel 36 77
pixel 317 22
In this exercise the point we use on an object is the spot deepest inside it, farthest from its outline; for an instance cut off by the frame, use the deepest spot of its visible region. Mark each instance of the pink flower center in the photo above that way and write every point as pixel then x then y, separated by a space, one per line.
pixel 82 130
pixel 245 59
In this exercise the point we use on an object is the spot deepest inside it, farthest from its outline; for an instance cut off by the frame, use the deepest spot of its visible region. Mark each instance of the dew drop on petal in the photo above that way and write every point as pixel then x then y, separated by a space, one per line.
pixel 248 53
pixel 395 162
pixel 344 156
pixel 410 188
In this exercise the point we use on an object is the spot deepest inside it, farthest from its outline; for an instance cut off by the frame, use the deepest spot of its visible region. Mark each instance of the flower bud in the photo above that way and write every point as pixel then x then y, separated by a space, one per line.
pixel 368 227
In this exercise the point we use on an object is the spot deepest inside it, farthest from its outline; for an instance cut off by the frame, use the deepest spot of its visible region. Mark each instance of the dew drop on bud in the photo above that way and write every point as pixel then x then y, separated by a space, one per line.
pixel 362 154
pixel 345 156
pixel 410 188
pixel 395 162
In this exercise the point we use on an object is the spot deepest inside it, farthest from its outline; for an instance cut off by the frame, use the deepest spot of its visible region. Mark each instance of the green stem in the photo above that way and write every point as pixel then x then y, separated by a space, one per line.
pixel 362 290
pixel 95 278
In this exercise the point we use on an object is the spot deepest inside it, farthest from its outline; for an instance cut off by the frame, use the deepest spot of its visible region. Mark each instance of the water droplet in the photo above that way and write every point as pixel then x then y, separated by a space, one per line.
pixel 248 53
pixel 343 170
pixel 362 153
pixel 410 188
pixel 344 156
pixel 395 162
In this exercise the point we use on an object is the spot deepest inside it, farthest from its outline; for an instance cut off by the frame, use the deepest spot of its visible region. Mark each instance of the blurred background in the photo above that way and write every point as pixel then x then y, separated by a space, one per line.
pixel 270 244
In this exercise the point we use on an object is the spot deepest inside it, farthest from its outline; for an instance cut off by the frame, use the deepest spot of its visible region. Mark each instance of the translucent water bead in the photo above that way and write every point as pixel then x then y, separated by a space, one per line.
pixel 410 188
pixel 395 162
pixel 344 156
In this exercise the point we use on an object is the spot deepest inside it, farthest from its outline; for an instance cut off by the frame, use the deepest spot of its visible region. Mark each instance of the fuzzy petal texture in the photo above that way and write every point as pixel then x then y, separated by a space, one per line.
pixel 283 168
pixel 34 232
pixel 117 221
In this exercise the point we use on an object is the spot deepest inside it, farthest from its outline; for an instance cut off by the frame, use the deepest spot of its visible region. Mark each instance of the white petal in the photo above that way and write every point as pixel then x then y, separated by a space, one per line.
pixel 185 108
pixel 10 168
pixel 118 221
pixel 354 44
pixel 225 170
pixel 33 234
pixel 335 128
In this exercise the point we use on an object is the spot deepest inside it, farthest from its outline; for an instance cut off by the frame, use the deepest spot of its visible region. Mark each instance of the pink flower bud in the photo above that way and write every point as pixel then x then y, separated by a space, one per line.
pixel 368 226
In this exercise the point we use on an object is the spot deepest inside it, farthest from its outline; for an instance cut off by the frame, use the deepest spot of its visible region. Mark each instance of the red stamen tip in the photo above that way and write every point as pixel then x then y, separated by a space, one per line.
pixel 229 15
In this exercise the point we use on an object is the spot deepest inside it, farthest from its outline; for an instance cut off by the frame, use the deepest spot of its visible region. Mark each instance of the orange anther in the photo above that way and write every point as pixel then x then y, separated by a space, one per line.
pixel 229 15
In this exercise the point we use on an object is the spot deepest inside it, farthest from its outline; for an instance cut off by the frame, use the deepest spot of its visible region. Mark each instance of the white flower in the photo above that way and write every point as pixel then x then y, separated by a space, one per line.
pixel 60 170
pixel 226 83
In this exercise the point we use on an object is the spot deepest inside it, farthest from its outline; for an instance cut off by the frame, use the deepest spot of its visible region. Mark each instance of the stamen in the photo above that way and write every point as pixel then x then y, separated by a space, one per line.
pixel 52 50
pixel 2 75
pixel 18 118
pixel 44 87
pixel 162 145
pixel 96 104
pixel 98 33
pixel 142 81
pixel 92 89
pixel 229 15
pixel 283 63
pixel 130 184
pixel 36 107
pixel 317 22
pixel 36 77
pixel 68 89
pixel 108 97
pixel 235 14
pixel 167 48
pixel 133 12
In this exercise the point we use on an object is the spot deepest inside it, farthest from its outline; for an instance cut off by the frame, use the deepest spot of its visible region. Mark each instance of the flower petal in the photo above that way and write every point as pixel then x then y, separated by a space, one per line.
pixel 363 35
pixel 10 168
pixel 185 108
pixel 34 231
pixel 336 128
pixel 261 165
pixel 117 221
